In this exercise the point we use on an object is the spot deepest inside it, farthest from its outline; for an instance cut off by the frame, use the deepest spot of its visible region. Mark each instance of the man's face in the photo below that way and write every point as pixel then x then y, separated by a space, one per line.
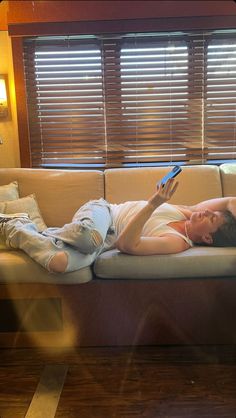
pixel 204 223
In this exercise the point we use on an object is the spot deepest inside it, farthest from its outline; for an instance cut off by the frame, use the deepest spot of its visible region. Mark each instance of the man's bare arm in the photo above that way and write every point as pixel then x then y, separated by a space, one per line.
pixel 130 237
pixel 218 204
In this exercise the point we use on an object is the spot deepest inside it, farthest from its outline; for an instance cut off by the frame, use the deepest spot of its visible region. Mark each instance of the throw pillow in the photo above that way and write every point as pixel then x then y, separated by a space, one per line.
pixel 28 205
pixel 9 191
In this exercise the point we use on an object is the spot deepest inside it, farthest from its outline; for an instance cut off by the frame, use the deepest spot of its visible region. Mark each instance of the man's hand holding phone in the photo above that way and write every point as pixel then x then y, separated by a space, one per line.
pixel 166 187
pixel 172 174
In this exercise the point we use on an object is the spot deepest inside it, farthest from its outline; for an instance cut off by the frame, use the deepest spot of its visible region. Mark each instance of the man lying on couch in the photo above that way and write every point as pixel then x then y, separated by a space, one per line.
pixel 136 227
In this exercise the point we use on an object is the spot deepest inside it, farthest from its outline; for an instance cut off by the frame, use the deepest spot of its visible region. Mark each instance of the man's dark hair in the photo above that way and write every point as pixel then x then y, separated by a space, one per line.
pixel 225 236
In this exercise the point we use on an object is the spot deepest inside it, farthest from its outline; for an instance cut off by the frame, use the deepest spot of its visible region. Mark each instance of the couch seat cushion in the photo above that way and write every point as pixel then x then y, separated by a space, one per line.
pixel 17 267
pixel 195 262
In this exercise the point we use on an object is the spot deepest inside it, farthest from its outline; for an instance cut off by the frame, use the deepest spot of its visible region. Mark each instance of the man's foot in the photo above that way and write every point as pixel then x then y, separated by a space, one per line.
pixel 6 217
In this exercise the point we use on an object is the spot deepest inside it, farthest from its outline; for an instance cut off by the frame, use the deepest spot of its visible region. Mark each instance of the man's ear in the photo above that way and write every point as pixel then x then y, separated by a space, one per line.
pixel 207 239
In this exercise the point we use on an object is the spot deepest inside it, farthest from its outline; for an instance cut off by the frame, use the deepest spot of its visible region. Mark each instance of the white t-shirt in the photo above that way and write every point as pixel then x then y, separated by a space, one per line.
pixel 156 225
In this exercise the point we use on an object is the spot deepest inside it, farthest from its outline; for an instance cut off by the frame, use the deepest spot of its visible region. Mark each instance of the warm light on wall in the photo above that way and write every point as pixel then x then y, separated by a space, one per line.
pixel 3 98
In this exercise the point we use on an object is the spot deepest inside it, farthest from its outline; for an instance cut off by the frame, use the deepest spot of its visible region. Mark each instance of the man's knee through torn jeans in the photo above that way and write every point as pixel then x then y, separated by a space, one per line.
pixel 82 239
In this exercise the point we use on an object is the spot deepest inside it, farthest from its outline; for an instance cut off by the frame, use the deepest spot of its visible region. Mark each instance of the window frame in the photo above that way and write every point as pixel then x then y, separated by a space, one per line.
pixel 20 31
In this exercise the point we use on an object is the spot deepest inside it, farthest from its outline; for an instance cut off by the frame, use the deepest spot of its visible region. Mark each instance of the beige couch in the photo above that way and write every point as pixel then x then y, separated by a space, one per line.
pixel 186 298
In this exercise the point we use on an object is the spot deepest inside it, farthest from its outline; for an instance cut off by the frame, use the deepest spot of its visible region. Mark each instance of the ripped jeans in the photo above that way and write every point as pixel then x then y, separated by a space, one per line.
pixel 82 240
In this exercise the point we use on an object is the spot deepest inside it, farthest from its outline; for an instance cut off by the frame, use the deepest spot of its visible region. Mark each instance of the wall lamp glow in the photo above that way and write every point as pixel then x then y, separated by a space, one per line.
pixel 4 111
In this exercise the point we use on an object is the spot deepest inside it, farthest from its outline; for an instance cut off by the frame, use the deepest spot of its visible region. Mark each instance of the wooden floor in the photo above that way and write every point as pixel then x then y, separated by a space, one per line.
pixel 144 382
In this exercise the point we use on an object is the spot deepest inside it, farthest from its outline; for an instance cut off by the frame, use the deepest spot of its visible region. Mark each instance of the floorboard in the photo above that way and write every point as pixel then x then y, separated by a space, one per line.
pixel 124 382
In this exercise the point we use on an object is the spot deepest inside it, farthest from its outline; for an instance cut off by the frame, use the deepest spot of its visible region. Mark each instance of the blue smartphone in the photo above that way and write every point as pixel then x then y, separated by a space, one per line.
pixel 173 173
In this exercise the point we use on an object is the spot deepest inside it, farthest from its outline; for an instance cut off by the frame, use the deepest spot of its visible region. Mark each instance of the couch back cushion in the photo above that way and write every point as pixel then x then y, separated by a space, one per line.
pixel 196 183
pixel 59 193
pixel 228 179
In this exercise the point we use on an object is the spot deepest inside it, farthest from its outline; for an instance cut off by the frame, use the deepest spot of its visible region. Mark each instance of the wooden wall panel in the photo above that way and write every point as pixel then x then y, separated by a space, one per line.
pixel 56 11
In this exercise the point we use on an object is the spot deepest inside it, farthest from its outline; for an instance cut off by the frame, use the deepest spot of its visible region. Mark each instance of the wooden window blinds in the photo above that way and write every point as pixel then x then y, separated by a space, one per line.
pixel 133 99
